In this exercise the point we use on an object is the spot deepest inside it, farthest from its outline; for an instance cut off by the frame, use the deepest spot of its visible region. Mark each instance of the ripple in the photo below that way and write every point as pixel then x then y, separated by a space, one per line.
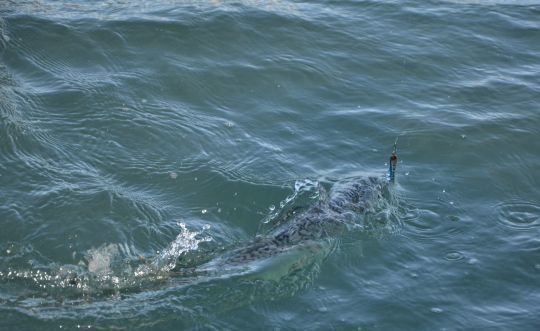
pixel 427 225
pixel 453 256
pixel 519 215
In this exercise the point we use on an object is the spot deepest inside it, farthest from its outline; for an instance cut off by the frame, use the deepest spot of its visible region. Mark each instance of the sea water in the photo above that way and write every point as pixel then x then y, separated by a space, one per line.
pixel 141 139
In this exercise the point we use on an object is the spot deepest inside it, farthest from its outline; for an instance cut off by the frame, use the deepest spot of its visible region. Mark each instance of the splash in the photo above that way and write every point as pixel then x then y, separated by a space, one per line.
pixel 110 269
pixel 184 242
pixel 100 259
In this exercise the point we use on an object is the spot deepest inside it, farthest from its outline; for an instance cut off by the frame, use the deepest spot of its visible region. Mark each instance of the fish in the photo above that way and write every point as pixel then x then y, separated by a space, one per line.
pixel 312 230
pixel 329 218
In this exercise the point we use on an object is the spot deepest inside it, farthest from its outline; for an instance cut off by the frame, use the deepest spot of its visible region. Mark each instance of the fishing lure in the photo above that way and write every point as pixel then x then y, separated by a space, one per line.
pixel 393 163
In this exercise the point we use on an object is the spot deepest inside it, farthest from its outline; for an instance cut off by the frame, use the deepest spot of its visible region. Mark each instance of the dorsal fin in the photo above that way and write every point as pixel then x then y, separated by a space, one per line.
pixel 324 199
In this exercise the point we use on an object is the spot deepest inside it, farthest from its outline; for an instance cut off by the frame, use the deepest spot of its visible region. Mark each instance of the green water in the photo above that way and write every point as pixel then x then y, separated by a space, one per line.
pixel 141 139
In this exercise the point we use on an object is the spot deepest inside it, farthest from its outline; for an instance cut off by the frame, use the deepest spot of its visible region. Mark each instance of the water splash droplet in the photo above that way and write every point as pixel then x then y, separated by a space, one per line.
pixel 472 260
pixel 185 241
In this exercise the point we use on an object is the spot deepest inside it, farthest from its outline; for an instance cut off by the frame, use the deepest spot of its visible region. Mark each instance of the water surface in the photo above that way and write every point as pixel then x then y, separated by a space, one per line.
pixel 140 139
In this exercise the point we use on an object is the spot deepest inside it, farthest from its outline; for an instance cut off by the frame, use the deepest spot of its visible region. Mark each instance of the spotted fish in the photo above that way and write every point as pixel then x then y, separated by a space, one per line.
pixel 327 218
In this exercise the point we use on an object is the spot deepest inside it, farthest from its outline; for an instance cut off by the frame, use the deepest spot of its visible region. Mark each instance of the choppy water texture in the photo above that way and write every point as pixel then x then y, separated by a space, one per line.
pixel 141 140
